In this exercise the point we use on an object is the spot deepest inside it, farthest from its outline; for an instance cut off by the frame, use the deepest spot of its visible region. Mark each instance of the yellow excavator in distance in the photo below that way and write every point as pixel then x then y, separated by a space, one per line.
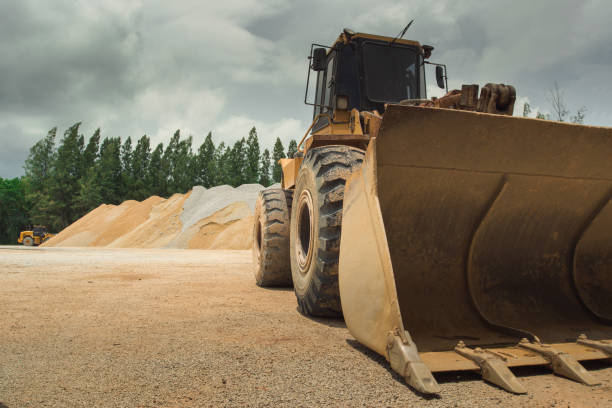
pixel 36 236
pixel 448 234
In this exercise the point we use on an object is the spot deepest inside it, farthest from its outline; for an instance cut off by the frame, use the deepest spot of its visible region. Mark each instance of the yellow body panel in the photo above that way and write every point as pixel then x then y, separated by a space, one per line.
pixel 290 168
pixel 36 240
pixel 472 240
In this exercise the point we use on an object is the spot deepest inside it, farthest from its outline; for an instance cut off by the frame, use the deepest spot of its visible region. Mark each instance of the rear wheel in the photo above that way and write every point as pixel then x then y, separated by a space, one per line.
pixel 28 241
pixel 271 238
pixel 316 222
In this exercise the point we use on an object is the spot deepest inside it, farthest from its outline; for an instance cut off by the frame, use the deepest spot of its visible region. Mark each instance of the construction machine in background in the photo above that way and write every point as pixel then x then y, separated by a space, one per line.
pixel 35 236
pixel 450 235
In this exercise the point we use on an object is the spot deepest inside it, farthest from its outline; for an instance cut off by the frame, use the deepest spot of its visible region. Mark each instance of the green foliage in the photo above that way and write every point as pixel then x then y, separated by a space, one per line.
pixel 38 169
pixel 127 176
pixel 156 175
pixel 224 165
pixel 526 109
pixel 264 169
pixel 65 176
pixel 168 165
pixel 579 116
pixel 205 167
pixel 237 160
pixel 252 157
pixel 140 168
pixel 13 209
pixel 90 194
pixel 108 172
pixel 292 148
pixel 183 170
pixel 219 176
pixel 277 153
pixel 62 184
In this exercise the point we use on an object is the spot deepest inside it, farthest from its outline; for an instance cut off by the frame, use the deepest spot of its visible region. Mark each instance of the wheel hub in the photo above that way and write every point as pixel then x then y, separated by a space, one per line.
pixel 305 231
pixel 258 237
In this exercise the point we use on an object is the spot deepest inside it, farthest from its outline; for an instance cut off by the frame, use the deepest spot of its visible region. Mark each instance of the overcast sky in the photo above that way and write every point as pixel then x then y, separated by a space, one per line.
pixel 151 67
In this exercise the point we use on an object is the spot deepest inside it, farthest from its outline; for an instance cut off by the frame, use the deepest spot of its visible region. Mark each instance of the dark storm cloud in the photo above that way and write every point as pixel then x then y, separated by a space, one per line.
pixel 135 67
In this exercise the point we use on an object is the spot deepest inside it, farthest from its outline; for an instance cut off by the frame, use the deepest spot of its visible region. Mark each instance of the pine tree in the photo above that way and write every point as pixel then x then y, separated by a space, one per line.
pixel 13 210
pixel 205 168
pixel 127 177
pixel 238 163
pixel 67 172
pixel 220 166
pixel 169 162
pixel 252 158
pixel 38 168
pixel 92 151
pixel 264 170
pixel 277 154
pixel 292 148
pixel 109 170
pixel 183 169
pixel 140 168
pixel 156 174
pixel 227 167
pixel 89 196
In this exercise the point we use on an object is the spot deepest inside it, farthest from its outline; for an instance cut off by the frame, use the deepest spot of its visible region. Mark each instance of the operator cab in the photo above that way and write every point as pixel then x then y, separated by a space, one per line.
pixel 365 72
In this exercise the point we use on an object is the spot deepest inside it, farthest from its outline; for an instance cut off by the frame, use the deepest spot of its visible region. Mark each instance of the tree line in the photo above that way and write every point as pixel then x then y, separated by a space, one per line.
pixel 65 179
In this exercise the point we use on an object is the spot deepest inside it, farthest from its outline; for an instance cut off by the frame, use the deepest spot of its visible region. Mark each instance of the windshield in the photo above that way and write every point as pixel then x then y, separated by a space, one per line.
pixel 390 72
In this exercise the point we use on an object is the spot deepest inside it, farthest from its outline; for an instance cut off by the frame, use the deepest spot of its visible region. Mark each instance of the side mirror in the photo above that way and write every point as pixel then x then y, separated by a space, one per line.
pixel 440 76
pixel 319 55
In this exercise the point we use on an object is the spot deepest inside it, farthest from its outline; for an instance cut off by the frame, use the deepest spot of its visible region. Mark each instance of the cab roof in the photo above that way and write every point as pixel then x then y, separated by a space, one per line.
pixel 342 38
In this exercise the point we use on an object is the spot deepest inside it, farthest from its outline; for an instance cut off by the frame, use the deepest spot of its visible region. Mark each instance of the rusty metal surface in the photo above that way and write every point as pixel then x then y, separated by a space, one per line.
pixel 592 267
pixel 484 216
pixel 493 367
pixel 359 141
pixel 442 361
pixel 494 98
pixel 497 98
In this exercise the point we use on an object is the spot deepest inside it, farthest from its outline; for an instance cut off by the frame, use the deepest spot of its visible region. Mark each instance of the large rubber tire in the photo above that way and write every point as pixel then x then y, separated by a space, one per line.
pixel 28 241
pixel 271 238
pixel 316 223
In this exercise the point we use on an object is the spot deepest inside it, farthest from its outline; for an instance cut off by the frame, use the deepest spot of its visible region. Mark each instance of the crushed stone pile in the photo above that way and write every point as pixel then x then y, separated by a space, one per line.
pixel 217 218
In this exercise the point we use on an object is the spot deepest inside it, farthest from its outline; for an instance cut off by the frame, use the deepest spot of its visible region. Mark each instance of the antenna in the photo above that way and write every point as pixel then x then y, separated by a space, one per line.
pixel 401 34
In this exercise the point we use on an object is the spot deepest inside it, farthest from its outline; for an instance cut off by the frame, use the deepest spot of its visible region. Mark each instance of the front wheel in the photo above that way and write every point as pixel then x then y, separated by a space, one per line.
pixel 316 221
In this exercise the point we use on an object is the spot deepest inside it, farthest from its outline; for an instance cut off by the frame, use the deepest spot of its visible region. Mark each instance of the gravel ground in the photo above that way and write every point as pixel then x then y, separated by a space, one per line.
pixel 186 328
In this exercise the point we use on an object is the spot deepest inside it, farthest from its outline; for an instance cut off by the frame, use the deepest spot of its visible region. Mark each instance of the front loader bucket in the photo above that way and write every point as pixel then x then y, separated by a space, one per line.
pixel 478 241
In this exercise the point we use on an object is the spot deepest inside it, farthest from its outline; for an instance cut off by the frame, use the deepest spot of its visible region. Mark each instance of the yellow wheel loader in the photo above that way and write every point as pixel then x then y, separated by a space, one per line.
pixel 35 236
pixel 448 234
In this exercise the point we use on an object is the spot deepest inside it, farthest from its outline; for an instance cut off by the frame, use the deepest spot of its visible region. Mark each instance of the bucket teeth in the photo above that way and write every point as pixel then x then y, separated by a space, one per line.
pixel 404 359
pixel 492 368
pixel 561 363
pixel 603 345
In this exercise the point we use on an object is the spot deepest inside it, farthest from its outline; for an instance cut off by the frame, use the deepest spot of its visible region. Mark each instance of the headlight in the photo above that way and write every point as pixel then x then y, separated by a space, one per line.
pixel 341 102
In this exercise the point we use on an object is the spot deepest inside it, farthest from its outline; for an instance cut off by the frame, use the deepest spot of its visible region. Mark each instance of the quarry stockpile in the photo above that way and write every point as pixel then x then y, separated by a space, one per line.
pixel 217 218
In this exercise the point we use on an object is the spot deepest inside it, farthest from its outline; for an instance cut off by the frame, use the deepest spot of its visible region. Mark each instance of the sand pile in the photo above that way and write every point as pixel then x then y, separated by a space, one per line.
pixel 217 218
